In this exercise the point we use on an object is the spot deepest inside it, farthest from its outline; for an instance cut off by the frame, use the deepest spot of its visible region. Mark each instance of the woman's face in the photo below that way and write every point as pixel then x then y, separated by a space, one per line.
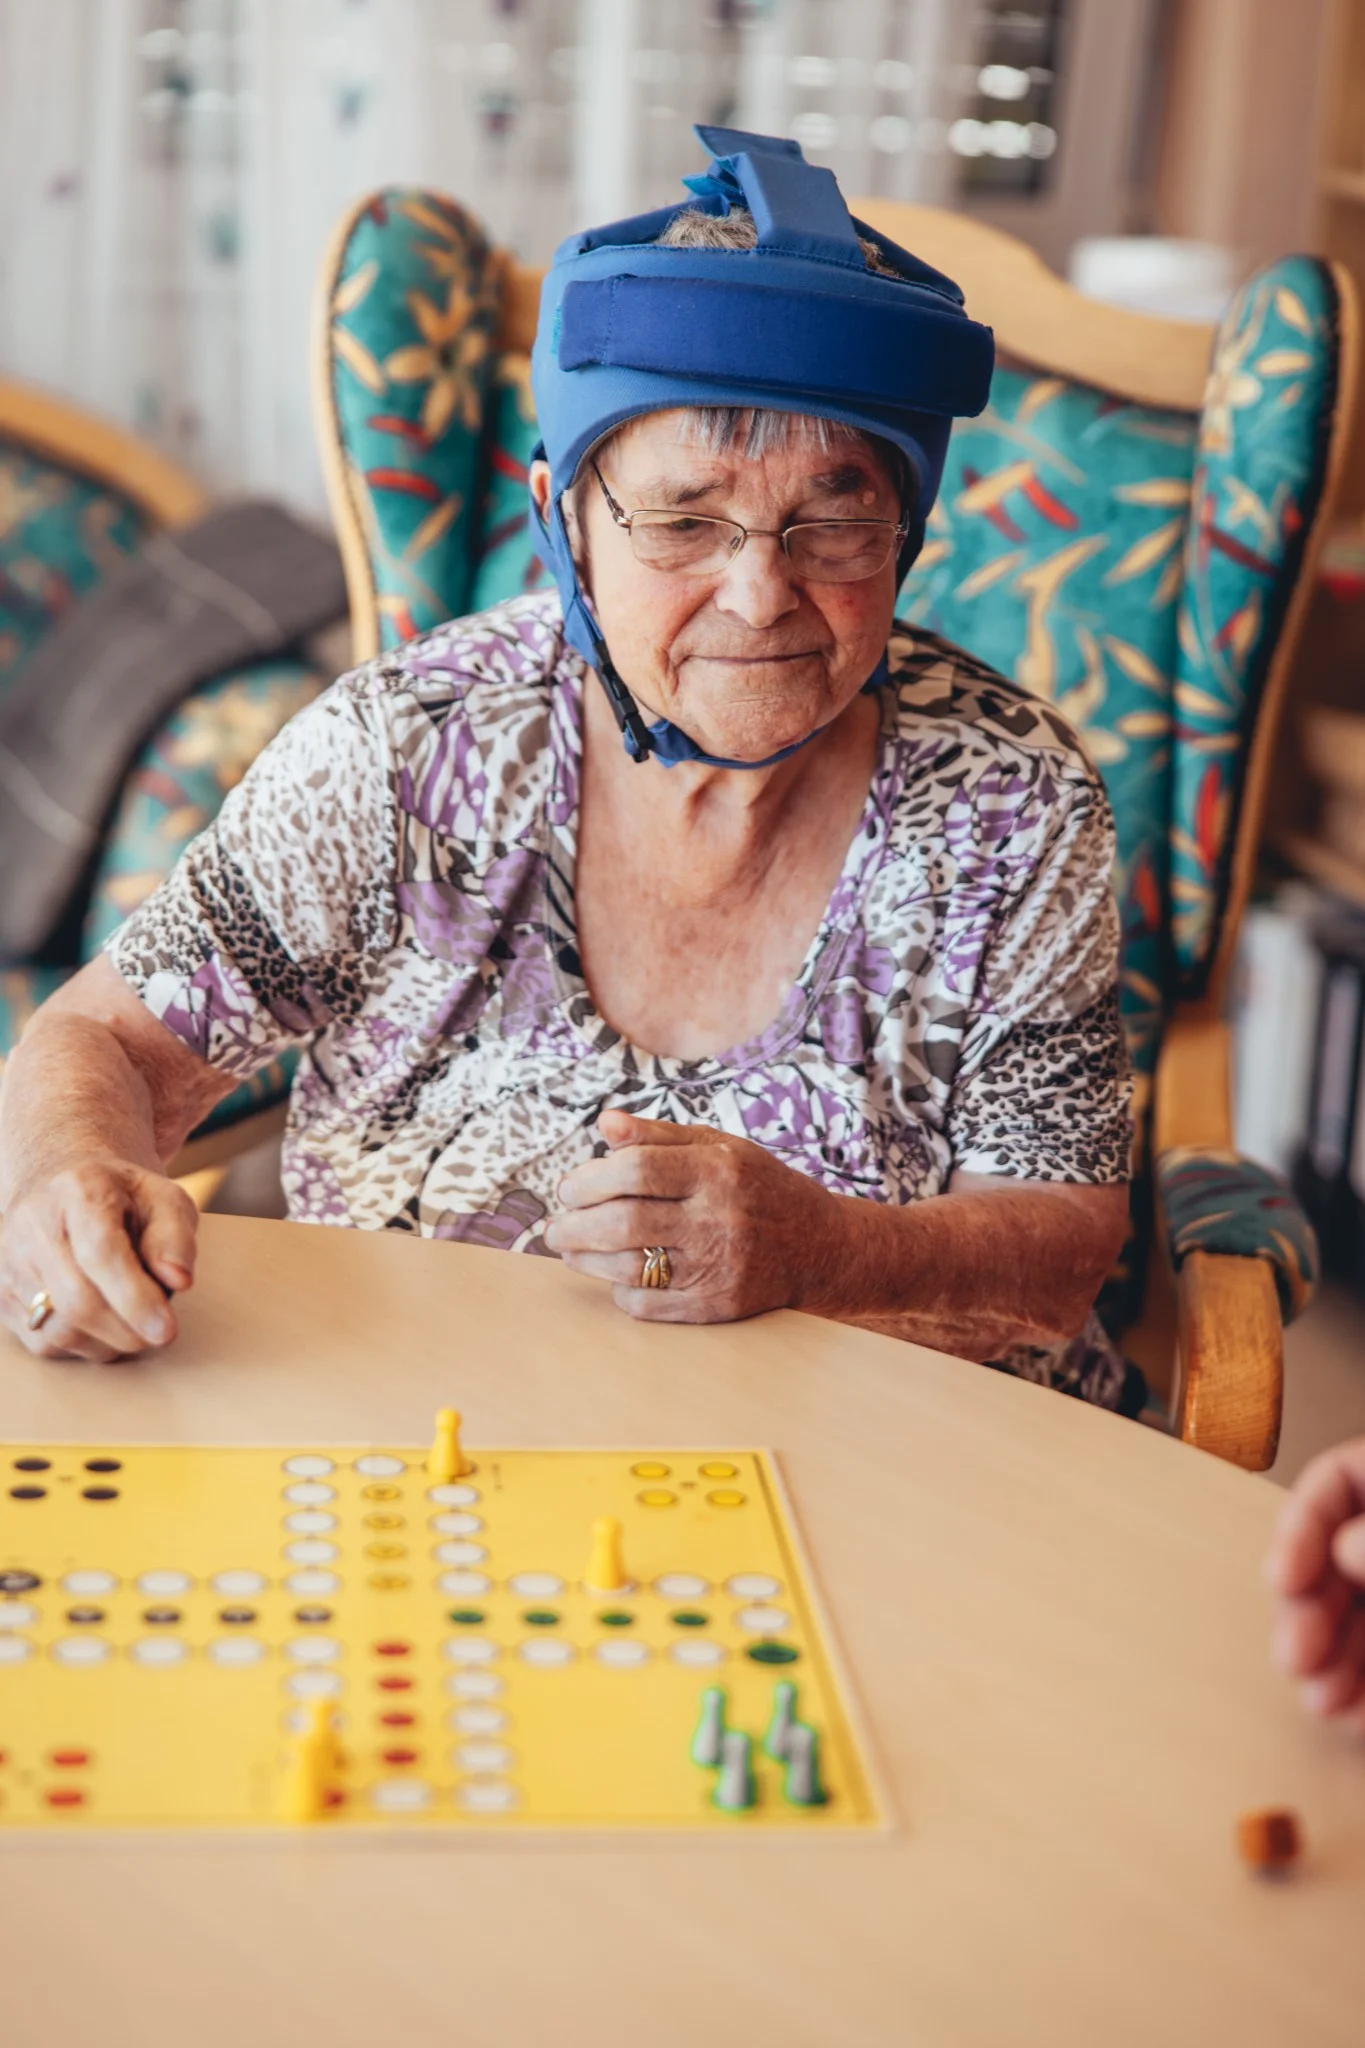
pixel 748 659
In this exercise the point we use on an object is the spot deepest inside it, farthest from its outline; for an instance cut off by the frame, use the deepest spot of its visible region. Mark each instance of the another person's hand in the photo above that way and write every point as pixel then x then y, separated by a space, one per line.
pixel 743 1233
pixel 1316 1564
pixel 109 1243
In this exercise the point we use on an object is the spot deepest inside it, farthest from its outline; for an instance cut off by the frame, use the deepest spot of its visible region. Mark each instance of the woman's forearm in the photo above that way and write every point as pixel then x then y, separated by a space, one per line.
pixel 973 1273
pixel 71 1092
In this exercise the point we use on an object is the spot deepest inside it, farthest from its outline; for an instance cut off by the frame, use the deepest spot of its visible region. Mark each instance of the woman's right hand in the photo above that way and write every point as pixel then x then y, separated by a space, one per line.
pixel 1316 1565
pixel 110 1243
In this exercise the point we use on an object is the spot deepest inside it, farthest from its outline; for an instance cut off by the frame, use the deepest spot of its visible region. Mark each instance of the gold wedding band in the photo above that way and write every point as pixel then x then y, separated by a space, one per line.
pixel 657 1272
pixel 40 1308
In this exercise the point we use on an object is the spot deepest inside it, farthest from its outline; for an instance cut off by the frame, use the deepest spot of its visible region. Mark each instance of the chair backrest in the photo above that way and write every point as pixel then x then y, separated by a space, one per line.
pixel 76 497
pixel 1127 529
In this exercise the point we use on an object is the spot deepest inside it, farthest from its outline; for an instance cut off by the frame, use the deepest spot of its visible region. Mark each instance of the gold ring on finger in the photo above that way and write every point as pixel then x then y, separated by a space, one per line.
pixel 657 1270
pixel 40 1308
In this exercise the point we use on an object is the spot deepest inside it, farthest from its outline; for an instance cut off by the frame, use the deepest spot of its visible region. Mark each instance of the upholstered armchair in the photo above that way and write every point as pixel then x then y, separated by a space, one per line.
pixel 77 496
pixel 1129 530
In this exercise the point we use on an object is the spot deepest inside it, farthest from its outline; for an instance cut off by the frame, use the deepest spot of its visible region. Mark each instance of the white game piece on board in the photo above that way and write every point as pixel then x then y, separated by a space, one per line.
pixel 476 1685
pixel 311 1585
pixel 309 1493
pixel 89 1585
pixel 459 1553
pixel 238 1650
pixel 753 1586
pixel 801 1783
pixel 476 1720
pixel 698 1650
pixel 762 1621
pixel 400 1795
pixel 734 1791
pixel 312 1649
pixel 622 1651
pixel 487 1795
pixel 681 1586
pixel 14 1649
pixel 159 1650
pixel 535 1585
pixel 456 1525
pixel 482 1756
pixel 308 1466
pixel 547 1651
pixel 313 1685
pixel 469 1650
pixel 453 1496
pixel 312 1550
pixel 710 1729
pixel 17 1614
pixel 378 1465
pixel 463 1585
pixel 163 1584
pixel 310 1521
pixel 239 1585
pixel 79 1650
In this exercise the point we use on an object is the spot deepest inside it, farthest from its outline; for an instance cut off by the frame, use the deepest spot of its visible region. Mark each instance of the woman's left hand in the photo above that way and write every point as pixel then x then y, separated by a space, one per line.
pixel 743 1233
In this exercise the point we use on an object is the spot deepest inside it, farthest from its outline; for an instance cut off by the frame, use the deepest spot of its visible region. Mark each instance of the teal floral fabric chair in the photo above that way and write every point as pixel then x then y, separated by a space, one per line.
pixel 76 499
pixel 1126 531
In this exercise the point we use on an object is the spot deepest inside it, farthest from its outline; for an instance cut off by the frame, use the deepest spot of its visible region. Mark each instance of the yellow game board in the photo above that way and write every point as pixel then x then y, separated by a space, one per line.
pixel 180 1627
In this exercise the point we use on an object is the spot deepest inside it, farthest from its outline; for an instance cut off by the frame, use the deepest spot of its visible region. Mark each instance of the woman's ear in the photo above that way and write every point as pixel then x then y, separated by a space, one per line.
pixel 539 481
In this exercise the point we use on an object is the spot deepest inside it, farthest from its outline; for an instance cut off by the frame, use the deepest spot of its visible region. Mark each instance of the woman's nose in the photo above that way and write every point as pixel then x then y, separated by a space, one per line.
pixel 758 585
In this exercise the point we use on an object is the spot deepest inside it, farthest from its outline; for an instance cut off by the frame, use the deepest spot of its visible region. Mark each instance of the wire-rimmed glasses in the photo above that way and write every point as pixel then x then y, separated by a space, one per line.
pixel 697 544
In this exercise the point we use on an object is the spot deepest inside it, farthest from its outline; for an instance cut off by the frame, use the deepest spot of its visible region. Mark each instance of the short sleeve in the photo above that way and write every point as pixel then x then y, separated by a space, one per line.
pixel 271 924
pixel 1042 1089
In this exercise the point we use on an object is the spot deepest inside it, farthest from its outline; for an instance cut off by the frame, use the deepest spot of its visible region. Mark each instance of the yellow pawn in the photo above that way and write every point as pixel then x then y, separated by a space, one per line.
pixel 311 1767
pixel 446 1460
pixel 606 1572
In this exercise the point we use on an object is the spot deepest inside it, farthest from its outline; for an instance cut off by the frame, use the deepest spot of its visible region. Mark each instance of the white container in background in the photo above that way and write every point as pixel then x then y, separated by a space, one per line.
pixel 1156 274
pixel 1277 986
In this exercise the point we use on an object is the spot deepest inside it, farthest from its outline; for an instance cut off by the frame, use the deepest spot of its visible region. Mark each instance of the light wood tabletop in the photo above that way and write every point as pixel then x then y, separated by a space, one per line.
pixel 1054 1626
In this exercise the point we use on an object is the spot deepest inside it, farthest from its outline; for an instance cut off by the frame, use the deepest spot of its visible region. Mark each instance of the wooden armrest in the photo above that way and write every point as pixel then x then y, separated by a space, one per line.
pixel 1230 1359
pixel 1193 1103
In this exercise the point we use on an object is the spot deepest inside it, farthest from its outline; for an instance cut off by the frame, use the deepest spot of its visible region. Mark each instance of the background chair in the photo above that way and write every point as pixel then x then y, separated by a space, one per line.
pixel 1129 531
pixel 77 496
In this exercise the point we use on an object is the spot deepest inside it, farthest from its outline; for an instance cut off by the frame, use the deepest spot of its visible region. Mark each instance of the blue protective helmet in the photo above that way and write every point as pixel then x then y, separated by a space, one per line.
pixel 796 324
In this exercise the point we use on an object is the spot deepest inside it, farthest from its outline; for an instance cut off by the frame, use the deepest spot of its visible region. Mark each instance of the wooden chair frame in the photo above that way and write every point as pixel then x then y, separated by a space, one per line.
pixel 1227 1374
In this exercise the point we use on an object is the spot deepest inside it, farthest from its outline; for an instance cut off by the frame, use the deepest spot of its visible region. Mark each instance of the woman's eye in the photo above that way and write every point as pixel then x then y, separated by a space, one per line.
pixel 685 526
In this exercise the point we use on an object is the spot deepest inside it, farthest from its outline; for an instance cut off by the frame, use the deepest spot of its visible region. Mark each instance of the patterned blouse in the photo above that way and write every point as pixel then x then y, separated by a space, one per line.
pixel 391 890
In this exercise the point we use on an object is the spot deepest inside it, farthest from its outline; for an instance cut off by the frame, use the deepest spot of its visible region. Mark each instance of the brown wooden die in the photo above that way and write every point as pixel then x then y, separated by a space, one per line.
pixel 1269 1840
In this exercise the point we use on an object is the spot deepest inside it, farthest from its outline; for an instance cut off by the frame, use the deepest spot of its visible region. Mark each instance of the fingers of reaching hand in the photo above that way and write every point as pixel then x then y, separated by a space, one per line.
pixel 1329 1491
pixel 1308 1630
pixel 1348 1550
pixel 134 1303
pixel 1340 1685
pixel 168 1230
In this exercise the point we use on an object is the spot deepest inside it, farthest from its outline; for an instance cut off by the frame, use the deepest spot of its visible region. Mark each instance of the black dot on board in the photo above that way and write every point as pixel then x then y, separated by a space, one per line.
pixel 103 1465
pixel 161 1617
pixel 99 1493
pixel 237 1617
pixel 312 1614
pixel 84 1617
pixel 19 1582
pixel 33 1464
pixel 28 1493
pixel 772 1653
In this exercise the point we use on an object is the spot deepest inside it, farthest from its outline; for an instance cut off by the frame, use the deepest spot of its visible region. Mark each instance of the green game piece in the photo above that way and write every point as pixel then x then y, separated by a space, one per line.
pixel 802 1784
pixel 772 1653
pixel 710 1730
pixel 465 1616
pixel 780 1725
pixel 735 1790
pixel 617 1618
pixel 689 1618
pixel 541 1617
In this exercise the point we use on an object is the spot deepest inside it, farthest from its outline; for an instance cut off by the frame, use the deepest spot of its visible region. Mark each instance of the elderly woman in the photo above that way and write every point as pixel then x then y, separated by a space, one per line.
pixel 805 997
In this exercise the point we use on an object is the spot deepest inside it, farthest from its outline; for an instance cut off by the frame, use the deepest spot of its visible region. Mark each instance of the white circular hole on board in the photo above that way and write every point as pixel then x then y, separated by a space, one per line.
pixel 763 1621
pixel 379 1465
pixel 400 1795
pixel 159 1650
pixel 477 1720
pixel 312 1649
pixel 697 1650
pixel 239 1585
pixel 535 1585
pixel 311 1585
pixel 308 1465
pixel 463 1585
pixel 456 1525
pixel 312 1550
pixel 89 1585
pixel 482 1756
pixel 163 1585
pixel 453 1496
pixel 459 1553
pixel 313 1685
pixel 14 1649
pixel 622 1651
pixel 469 1650
pixel 487 1795
pixel 753 1586
pixel 79 1650
pixel 17 1614
pixel 682 1586
pixel 310 1522
pixel 476 1685
pixel 238 1651
pixel 299 1721
pixel 309 1493
pixel 546 1652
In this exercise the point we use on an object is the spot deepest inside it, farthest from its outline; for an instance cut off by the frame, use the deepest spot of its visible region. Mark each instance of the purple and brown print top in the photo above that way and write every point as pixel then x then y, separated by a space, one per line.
pixel 391 889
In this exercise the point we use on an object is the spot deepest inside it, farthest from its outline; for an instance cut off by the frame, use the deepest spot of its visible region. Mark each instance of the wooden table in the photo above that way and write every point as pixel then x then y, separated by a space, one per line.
pixel 1055 1626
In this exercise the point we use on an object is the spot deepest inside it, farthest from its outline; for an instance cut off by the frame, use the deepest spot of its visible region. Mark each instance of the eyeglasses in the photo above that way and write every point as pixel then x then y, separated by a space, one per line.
pixel 819 550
